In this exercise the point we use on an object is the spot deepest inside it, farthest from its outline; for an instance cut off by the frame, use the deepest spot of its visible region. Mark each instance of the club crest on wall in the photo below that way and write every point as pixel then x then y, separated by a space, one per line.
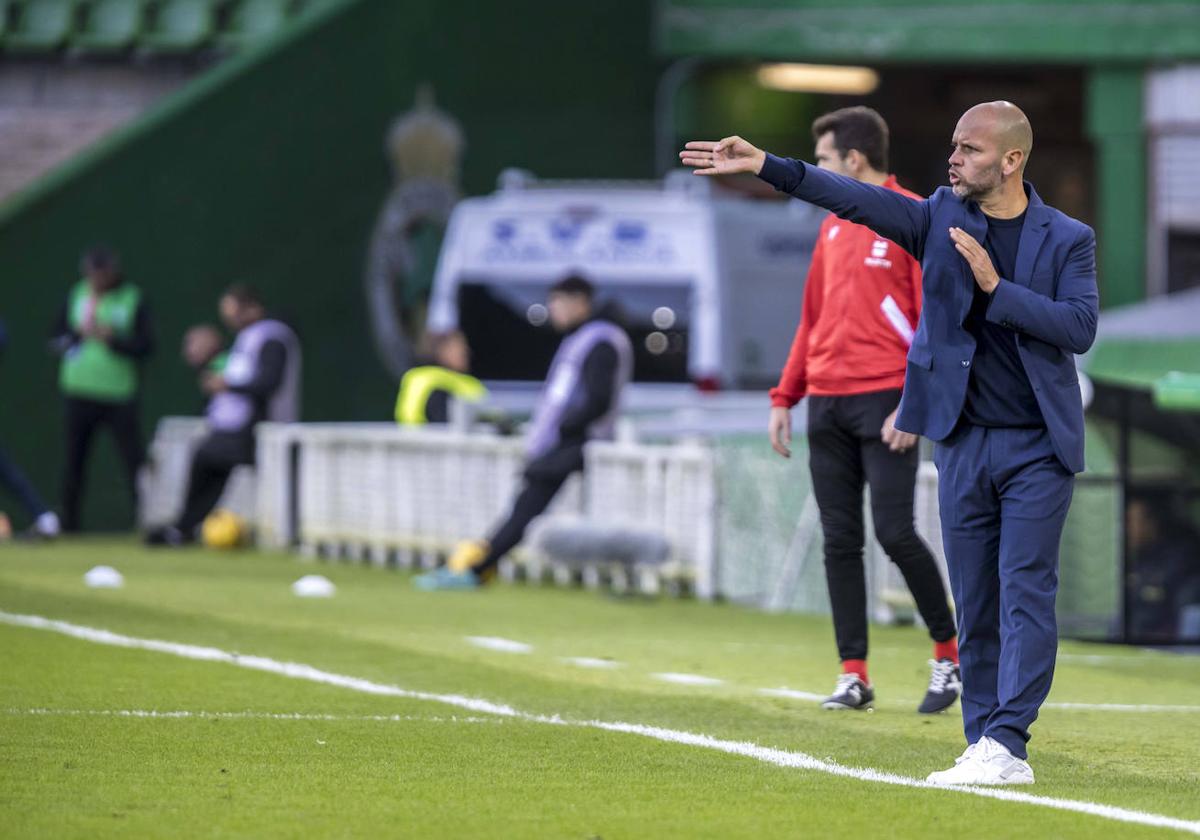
pixel 425 147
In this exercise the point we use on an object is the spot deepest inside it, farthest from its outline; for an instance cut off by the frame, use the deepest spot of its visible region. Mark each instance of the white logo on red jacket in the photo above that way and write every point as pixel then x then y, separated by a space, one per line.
pixel 878 258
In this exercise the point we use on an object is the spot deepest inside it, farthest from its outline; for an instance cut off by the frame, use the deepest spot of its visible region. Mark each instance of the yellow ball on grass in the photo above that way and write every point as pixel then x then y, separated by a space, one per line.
pixel 224 529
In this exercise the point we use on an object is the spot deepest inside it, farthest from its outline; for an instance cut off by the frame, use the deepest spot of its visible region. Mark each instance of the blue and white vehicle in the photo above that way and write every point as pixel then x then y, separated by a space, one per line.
pixel 707 280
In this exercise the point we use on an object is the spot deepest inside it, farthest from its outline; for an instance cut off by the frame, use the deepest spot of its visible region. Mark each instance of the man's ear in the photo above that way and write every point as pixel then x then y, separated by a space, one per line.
pixel 856 161
pixel 1014 159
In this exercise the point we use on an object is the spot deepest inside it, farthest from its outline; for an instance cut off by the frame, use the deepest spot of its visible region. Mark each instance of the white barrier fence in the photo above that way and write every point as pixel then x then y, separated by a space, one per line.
pixel 373 490
pixel 388 494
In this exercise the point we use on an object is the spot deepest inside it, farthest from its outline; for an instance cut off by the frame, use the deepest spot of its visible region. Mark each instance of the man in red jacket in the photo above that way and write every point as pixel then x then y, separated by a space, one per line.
pixel 861 303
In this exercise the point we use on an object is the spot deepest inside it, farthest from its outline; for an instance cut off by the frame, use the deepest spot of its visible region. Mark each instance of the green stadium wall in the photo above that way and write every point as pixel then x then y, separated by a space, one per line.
pixel 270 169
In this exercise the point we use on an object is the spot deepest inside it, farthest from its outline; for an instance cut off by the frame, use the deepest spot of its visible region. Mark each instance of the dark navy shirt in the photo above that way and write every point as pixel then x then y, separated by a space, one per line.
pixel 998 390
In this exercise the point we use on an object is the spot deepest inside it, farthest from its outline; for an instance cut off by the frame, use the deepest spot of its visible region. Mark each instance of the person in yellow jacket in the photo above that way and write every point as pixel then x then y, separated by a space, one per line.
pixel 103 335
pixel 426 390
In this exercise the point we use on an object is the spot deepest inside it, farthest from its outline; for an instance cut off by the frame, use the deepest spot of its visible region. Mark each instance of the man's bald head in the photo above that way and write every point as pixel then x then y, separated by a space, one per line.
pixel 1007 124
pixel 992 143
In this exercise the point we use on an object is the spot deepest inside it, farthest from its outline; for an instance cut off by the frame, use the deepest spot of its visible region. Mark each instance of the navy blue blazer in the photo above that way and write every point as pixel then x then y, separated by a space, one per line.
pixel 1052 303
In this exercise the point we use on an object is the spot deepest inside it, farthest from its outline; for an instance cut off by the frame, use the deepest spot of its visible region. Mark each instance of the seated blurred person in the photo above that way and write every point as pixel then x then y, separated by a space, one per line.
pixel 1163 576
pixel 14 480
pixel 260 381
pixel 427 390
pixel 578 403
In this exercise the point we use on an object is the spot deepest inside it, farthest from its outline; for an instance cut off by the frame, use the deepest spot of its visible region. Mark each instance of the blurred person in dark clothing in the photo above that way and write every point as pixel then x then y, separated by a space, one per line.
pixel 427 390
pixel 103 333
pixel 14 480
pixel 1163 577
pixel 579 402
pixel 260 381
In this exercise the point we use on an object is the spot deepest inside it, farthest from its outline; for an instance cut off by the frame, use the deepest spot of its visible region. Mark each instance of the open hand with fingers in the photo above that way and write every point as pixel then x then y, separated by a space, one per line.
pixel 779 427
pixel 977 257
pixel 723 157
pixel 896 440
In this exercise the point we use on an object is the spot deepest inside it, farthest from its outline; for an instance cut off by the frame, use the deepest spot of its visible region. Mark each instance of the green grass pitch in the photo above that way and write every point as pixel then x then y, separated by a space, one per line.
pixel 233 752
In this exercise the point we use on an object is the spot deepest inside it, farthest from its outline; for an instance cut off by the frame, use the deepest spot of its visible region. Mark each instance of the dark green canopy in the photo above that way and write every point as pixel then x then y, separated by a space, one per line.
pixel 1152 346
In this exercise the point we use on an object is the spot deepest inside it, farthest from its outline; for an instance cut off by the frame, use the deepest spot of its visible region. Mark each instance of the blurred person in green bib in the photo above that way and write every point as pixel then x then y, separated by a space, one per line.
pixel 103 334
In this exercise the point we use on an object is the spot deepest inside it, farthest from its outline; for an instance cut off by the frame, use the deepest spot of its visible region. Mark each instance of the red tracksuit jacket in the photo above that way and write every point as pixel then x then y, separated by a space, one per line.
pixel 861 305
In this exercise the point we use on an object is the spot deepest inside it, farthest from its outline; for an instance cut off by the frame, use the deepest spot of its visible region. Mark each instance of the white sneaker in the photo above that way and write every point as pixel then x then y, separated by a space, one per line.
pixel 967 755
pixel 986 762
pixel 47 525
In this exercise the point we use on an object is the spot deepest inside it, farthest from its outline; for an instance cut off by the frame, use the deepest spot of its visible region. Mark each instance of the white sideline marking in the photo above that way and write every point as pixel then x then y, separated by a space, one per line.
pixel 591 662
pixel 175 714
pixel 498 644
pixel 1120 707
pixel 780 758
pixel 1096 658
pixel 791 694
pixel 687 679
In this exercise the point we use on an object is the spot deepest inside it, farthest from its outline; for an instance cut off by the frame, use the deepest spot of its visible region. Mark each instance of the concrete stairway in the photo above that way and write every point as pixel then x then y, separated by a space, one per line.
pixel 51 111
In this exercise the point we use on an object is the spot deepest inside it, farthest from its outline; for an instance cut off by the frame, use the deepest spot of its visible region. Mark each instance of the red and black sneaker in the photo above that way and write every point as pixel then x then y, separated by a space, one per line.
pixel 945 685
pixel 850 693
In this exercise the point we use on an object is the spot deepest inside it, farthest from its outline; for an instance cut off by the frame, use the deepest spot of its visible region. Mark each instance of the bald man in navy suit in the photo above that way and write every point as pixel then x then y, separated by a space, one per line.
pixel 1009 299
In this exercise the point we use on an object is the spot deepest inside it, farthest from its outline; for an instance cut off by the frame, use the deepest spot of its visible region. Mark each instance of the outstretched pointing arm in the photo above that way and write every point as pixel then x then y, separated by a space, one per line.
pixel 903 220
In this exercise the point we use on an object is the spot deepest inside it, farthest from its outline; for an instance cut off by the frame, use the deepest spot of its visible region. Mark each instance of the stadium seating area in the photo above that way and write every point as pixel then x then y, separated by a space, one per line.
pixel 142 27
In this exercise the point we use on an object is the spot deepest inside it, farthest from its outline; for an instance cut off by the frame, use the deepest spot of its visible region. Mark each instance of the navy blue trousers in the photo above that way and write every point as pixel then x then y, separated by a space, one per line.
pixel 1004 497
pixel 15 481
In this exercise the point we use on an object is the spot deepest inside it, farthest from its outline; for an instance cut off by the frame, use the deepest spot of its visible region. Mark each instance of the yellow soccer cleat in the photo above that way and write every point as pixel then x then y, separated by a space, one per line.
pixel 461 570
pixel 467 555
